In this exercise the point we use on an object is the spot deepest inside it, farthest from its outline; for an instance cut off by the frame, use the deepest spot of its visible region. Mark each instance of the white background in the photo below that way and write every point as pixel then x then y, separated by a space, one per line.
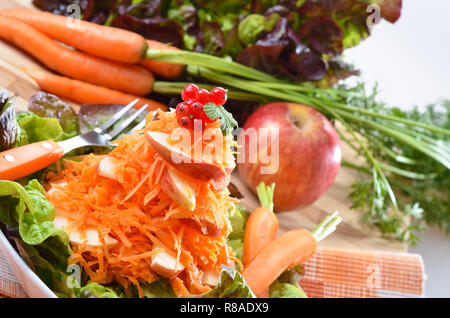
pixel 411 62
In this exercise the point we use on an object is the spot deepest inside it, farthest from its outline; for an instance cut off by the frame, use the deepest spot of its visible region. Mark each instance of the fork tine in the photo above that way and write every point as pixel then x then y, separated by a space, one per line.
pixel 113 134
pixel 117 116
pixel 141 125
pixel 155 115
pixel 138 126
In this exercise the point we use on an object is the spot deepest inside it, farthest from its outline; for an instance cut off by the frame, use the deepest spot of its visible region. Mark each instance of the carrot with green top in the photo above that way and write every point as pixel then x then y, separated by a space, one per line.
pixel 107 42
pixel 162 69
pixel 290 249
pixel 262 225
pixel 127 78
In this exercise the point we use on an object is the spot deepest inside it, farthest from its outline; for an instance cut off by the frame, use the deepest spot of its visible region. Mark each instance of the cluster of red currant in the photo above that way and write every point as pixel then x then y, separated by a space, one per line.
pixel 190 112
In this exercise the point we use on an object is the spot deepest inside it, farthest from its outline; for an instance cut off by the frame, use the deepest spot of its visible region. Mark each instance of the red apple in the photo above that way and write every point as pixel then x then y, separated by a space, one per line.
pixel 166 264
pixel 222 183
pixel 107 167
pixel 211 278
pixel 88 236
pixel 198 169
pixel 176 186
pixel 309 154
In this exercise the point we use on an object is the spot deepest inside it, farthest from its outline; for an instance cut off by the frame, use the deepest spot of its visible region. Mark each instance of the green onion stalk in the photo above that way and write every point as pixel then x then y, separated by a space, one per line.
pixel 366 130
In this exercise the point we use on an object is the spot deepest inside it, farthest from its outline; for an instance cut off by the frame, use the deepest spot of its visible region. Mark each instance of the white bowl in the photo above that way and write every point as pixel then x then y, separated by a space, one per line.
pixel 30 282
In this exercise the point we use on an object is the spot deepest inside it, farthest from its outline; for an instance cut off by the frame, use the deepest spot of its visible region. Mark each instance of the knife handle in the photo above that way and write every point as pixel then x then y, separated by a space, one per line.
pixel 22 161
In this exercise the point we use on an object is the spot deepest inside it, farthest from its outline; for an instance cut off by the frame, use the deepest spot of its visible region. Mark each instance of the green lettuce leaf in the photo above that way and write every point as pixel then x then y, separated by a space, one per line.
pixel 95 290
pixel 34 128
pixel 238 219
pixel 158 289
pixel 284 290
pixel 286 286
pixel 49 118
pixel 27 208
pixel 231 285
pixel 238 248
pixel 253 25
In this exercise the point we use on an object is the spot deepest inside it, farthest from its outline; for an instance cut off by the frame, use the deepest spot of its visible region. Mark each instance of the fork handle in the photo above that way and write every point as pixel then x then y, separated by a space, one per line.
pixel 22 161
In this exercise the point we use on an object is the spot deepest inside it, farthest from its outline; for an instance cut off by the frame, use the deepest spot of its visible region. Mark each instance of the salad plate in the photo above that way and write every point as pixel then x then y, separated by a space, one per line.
pixel 30 282
pixel 131 221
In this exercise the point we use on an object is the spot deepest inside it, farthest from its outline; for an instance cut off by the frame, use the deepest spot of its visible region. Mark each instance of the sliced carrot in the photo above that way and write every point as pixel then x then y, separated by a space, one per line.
pixel 162 69
pixel 85 93
pixel 178 287
pixel 107 42
pixel 118 76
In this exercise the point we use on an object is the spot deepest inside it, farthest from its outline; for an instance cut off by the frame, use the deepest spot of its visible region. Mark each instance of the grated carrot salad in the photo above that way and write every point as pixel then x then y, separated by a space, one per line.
pixel 141 217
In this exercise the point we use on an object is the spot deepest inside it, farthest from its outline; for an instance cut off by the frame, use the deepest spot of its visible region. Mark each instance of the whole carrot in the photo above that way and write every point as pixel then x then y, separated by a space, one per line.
pixel 162 69
pixel 262 225
pixel 85 93
pixel 107 42
pixel 290 249
pixel 122 77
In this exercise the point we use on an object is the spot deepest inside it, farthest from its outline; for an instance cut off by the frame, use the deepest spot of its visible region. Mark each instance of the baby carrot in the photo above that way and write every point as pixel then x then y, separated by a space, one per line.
pixel 292 248
pixel 162 69
pixel 107 42
pixel 262 225
pixel 122 77
pixel 85 93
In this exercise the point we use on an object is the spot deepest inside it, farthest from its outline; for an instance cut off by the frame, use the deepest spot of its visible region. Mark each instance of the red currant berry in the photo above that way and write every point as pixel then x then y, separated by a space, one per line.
pixel 202 96
pixel 196 110
pixel 186 122
pixel 189 92
pixel 218 96
pixel 189 102
pixel 182 110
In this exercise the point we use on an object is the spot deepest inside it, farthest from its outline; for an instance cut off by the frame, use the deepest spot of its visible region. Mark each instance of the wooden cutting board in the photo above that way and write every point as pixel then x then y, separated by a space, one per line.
pixel 350 234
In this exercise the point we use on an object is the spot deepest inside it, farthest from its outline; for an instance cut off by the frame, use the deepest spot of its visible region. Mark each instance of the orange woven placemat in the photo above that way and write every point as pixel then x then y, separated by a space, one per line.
pixel 332 272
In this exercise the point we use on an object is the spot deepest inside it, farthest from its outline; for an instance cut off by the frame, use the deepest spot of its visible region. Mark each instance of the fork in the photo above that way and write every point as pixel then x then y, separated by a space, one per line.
pixel 22 161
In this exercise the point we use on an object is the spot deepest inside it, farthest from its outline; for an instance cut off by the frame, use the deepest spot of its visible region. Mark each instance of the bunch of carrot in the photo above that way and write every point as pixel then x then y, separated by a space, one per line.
pixel 108 64
pixel 267 257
